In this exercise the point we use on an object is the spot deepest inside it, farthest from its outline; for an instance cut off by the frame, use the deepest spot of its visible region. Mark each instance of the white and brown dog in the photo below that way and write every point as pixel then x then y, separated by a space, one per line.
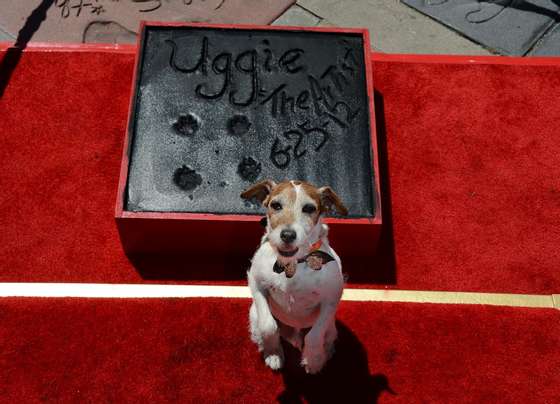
pixel 295 277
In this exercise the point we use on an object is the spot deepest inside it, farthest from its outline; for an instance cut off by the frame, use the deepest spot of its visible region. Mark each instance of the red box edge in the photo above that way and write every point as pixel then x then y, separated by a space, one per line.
pixel 375 55
pixel 121 214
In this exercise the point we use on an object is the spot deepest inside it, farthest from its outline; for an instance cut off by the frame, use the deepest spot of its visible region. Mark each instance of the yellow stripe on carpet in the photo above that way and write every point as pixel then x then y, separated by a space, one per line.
pixel 105 290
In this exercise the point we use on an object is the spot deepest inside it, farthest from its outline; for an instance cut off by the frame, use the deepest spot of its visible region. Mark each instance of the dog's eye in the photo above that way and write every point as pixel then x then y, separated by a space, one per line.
pixel 309 209
pixel 276 205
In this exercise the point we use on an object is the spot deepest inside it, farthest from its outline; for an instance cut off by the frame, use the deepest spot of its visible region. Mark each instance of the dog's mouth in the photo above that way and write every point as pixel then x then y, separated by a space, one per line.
pixel 288 253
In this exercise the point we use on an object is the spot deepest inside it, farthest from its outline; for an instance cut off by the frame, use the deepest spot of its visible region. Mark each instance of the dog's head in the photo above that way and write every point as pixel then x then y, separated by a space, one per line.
pixel 294 211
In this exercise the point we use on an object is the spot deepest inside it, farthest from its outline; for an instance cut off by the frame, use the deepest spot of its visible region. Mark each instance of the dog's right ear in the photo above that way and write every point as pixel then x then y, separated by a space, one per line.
pixel 259 191
pixel 330 201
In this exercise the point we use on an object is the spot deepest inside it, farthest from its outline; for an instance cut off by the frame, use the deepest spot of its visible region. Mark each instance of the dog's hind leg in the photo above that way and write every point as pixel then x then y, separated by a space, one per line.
pixel 330 337
pixel 314 353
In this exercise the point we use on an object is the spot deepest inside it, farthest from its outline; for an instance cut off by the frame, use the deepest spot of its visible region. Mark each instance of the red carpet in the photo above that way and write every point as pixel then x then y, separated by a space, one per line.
pixel 473 163
pixel 474 168
pixel 198 351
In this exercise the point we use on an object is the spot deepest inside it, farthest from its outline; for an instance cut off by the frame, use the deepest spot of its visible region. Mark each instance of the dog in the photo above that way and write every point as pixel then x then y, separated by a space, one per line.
pixel 295 276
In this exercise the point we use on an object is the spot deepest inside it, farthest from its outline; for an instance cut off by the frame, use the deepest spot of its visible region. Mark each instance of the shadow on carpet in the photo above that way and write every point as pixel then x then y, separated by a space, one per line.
pixel 345 378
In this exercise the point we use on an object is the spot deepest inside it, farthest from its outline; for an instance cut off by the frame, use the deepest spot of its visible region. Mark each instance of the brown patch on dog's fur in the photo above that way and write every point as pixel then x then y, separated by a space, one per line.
pixel 315 195
pixel 260 191
pixel 312 192
pixel 286 194
pixel 283 187
pixel 330 201
pixel 325 199
pixel 267 191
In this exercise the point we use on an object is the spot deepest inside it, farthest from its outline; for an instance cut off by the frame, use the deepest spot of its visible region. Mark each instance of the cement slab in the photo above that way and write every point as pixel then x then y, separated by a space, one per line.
pixel 198 141
pixel 5 36
pixel 510 27
pixel 394 27
pixel 297 16
pixel 549 44
pixel 108 32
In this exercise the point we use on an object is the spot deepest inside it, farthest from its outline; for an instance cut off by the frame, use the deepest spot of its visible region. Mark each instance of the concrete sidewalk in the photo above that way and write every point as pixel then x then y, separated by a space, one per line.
pixel 523 28
pixel 394 27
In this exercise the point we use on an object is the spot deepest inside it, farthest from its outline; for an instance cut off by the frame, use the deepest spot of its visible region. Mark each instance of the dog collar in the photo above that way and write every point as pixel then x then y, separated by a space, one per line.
pixel 316 245
pixel 315 260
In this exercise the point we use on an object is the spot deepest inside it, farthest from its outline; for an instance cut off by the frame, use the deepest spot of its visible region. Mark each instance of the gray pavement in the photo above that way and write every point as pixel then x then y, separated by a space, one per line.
pixel 509 27
pixel 299 17
pixel 548 45
pixel 394 27
pixel 5 36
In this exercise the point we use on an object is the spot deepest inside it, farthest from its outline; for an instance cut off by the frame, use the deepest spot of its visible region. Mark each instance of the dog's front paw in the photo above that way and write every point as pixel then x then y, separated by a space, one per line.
pixel 274 361
pixel 314 355
pixel 313 362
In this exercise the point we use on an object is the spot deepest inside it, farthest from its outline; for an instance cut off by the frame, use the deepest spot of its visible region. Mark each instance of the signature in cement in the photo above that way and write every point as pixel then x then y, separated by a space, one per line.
pixel 75 8
pixel 154 5
pixel 68 7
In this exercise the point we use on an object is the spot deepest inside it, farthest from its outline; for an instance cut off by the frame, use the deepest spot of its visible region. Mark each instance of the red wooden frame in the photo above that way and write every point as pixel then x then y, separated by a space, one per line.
pixel 150 232
pixel 374 56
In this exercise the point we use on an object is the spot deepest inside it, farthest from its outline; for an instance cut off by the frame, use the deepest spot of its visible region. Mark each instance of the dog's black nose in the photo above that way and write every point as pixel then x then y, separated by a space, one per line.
pixel 287 235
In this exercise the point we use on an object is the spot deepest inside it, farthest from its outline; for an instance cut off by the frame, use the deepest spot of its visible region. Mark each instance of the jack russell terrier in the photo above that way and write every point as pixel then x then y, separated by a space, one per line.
pixel 295 277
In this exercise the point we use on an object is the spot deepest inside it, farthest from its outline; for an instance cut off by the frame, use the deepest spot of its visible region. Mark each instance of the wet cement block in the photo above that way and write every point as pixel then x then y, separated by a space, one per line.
pixel 216 110
pixel 509 27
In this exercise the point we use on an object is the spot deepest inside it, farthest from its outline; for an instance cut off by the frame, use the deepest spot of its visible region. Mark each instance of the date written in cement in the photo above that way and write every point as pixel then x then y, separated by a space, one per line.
pixel 318 109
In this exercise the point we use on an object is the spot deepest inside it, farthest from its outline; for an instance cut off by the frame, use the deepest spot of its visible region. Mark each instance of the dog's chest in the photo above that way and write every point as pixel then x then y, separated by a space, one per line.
pixel 299 295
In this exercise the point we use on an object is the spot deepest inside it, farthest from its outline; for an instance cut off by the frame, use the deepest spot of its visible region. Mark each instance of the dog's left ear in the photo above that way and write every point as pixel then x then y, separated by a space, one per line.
pixel 259 191
pixel 330 201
